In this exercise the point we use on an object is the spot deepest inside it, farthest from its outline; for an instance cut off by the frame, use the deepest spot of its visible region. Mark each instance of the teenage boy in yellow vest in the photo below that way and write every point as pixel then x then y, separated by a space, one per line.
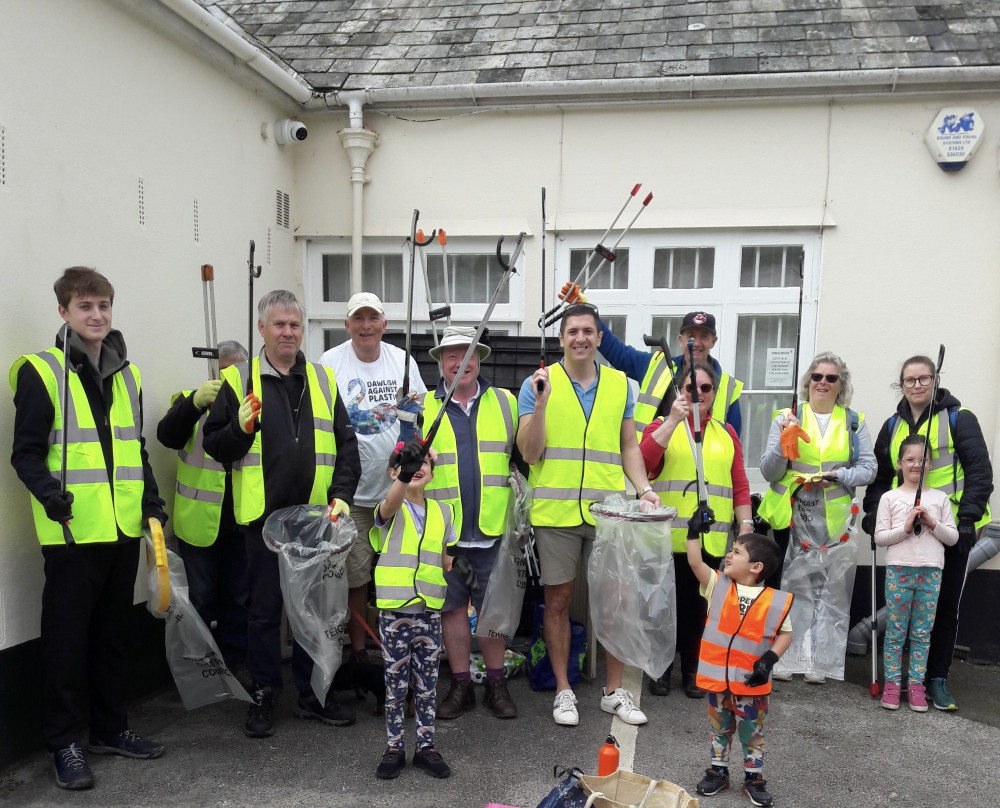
pixel 577 434
pixel 211 545
pixel 290 442
pixel 474 445
pixel 89 533
pixel 746 633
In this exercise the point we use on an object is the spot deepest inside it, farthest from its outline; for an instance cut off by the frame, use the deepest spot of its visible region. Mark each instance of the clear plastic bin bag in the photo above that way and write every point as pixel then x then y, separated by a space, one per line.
pixel 508 582
pixel 631 582
pixel 197 666
pixel 312 552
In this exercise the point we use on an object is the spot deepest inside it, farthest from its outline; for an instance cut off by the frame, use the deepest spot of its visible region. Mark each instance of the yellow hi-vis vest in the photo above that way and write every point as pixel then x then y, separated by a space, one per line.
pixel 657 381
pixel 200 487
pixel 823 453
pixel 944 472
pixel 678 472
pixel 100 509
pixel 582 461
pixel 495 430
pixel 248 473
pixel 409 566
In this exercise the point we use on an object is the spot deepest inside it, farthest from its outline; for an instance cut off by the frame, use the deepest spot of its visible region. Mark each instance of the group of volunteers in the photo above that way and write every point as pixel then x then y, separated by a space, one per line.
pixel 277 430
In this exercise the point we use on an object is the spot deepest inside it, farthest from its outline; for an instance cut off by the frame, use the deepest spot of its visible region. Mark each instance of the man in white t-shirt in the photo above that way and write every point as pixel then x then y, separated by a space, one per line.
pixel 368 372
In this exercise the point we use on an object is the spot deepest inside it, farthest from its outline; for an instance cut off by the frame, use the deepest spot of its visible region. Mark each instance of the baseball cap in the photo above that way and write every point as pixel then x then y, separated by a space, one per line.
pixel 699 319
pixel 459 335
pixel 364 300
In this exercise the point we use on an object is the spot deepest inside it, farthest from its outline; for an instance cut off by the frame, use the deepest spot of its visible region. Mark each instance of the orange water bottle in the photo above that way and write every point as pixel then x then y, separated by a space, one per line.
pixel 607 758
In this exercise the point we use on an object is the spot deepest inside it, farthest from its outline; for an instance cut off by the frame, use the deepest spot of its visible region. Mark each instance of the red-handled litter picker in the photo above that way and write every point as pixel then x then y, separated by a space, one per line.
pixel 432 313
pixel 414 243
pixel 64 406
pixel 211 350
pixel 917 527
pixel 443 241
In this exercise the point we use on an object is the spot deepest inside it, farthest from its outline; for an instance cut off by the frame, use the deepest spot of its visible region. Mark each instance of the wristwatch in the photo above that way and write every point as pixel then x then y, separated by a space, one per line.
pixel 643 491
pixel 746 522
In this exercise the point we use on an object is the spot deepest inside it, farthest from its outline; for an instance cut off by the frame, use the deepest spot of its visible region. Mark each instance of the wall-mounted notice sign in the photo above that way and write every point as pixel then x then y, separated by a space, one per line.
pixel 780 370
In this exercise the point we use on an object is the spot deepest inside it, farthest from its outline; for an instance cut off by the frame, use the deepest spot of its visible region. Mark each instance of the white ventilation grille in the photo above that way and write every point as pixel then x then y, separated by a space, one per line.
pixel 197 230
pixel 282 207
pixel 142 202
pixel 3 157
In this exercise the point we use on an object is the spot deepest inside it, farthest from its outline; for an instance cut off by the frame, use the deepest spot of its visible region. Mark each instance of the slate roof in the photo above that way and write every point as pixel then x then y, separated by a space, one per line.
pixel 365 44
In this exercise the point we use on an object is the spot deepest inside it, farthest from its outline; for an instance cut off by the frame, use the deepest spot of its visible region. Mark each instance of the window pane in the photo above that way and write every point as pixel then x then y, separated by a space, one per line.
pixel 757 410
pixel 336 278
pixel 332 337
pixel 684 268
pixel 382 274
pixel 755 334
pixel 771 267
pixel 616 324
pixel 612 275
pixel 471 279
pixel 668 327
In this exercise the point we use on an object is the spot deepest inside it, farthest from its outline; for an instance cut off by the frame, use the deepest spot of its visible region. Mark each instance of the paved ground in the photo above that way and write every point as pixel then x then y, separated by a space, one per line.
pixel 828 745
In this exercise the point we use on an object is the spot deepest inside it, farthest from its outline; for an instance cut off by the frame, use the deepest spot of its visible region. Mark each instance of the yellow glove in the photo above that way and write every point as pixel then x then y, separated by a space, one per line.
pixel 337 507
pixel 205 395
pixel 572 293
pixel 249 411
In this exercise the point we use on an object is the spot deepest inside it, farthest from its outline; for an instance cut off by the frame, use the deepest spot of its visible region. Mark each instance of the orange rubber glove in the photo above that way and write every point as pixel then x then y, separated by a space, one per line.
pixel 790 441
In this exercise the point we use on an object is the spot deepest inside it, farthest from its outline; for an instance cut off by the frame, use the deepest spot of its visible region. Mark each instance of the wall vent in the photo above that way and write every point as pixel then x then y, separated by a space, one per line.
pixel 142 202
pixel 197 231
pixel 282 208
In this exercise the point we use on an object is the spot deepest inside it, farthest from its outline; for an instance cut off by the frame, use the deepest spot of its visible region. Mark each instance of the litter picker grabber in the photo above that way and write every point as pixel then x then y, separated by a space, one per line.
pixel 917 527
pixel 873 686
pixel 64 406
pixel 254 273
pixel 433 314
pixel 584 276
pixel 541 320
pixel 661 343
pixel 509 268
pixel 698 462
pixel 790 436
pixel 412 240
pixel 211 351
pixel 443 241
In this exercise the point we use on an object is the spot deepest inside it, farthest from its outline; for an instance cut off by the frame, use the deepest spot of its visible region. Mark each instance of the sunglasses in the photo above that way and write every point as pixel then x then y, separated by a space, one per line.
pixel 705 388
pixel 831 378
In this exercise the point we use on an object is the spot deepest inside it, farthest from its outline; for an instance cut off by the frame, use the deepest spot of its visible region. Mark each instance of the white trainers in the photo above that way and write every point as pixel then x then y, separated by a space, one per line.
pixel 814 678
pixel 781 676
pixel 619 702
pixel 564 709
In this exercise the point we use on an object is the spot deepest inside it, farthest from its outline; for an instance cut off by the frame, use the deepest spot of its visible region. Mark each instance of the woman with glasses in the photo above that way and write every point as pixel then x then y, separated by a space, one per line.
pixel 667 448
pixel 959 466
pixel 834 455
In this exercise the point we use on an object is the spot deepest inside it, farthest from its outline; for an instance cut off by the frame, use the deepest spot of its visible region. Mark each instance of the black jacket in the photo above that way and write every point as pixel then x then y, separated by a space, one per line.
pixel 970 448
pixel 288 453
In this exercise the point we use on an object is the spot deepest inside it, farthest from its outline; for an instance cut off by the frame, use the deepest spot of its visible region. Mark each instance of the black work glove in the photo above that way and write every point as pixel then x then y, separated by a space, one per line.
pixel 761 670
pixel 966 535
pixel 461 567
pixel 868 523
pixel 411 458
pixel 154 513
pixel 59 507
pixel 700 523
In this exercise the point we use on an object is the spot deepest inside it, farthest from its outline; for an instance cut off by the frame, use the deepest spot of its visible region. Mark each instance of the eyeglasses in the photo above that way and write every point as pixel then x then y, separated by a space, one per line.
pixel 917 381
pixel 706 388
pixel 831 378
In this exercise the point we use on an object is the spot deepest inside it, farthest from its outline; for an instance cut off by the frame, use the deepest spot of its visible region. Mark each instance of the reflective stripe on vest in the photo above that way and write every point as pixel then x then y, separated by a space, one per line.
pixel 495 430
pixel 409 565
pixel 731 644
pixel 944 473
pixel 100 508
pixel 823 453
pixel 200 487
pixel 677 474
pixel 581 463
pixel 248 473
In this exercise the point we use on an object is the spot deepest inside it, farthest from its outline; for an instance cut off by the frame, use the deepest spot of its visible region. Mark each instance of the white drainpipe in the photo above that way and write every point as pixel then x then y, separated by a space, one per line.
pixel 359 143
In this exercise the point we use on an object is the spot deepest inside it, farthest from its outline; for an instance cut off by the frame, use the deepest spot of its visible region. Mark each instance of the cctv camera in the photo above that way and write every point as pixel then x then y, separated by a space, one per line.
pixel 288 131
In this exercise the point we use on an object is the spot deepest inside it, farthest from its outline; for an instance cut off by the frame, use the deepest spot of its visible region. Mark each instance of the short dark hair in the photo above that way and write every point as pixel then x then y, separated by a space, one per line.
pixel 579 310
pixel 81 282
pixel 912 439
pixel 763 549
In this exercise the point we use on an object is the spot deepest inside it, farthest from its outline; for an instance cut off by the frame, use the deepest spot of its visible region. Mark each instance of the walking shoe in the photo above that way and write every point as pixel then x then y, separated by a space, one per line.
pixel 459 699
pixel 814 678
pixel 72 771
pixel 126 744
pixel 498 699
pixel 937 689
pixel 333 712
pixel 260 714
pixel 716 779
pixel 619 702
pixel 393 762
pixel 429 759
pixel 564 709
pixel 916 696
pixel 754 788
pixel 781 676
pixel 661 685
pixel 691 690
pixel 890 696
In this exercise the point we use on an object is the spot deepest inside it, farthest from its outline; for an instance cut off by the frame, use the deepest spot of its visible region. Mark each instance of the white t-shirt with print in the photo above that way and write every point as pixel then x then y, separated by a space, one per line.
pixel 368 390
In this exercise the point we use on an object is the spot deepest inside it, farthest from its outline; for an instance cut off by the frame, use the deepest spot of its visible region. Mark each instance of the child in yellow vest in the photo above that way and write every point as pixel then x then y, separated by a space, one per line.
pixel 411 536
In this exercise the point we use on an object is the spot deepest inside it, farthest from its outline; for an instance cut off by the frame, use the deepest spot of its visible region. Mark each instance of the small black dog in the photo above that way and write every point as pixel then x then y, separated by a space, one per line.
pixel 363 678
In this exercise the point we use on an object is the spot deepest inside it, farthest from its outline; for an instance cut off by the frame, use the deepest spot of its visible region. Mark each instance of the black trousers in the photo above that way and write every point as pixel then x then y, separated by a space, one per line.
pixel 86 602
pixel 781 536
pixel 945 631
pixel 692 611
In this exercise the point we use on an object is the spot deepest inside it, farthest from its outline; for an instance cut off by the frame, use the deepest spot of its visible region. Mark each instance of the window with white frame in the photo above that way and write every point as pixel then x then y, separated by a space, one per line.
pixel 748 280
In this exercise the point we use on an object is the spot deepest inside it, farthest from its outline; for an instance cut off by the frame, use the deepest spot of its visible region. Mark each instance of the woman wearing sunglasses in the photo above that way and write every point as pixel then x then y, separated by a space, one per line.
pixel 836 446
pixel 960 467
pixel 667 448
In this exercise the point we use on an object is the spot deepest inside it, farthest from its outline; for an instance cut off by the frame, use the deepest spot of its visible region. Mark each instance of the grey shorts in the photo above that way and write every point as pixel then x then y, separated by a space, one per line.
pixel 560 549
pixel 361 558
pixel 481 560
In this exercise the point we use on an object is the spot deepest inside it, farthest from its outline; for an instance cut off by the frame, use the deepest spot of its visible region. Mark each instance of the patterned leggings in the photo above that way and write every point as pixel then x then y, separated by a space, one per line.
pixel 411 648
pixel 723 710
pixel 911 595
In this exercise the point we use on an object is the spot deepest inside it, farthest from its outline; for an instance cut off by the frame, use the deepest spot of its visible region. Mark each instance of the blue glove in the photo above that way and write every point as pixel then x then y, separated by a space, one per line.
pixel 410 413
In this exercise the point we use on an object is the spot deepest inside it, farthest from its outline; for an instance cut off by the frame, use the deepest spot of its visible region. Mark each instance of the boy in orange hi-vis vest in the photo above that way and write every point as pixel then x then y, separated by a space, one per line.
pixel 746 632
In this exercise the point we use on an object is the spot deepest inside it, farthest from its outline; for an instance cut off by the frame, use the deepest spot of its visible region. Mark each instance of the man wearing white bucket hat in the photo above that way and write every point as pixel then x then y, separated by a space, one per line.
pixel 474 445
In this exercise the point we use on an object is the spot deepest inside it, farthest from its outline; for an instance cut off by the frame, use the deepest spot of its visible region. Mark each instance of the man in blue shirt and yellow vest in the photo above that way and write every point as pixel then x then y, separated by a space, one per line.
pixel 577 433
pixel 280 423
pixel 474 445
pixel 88 532
pixel 210 543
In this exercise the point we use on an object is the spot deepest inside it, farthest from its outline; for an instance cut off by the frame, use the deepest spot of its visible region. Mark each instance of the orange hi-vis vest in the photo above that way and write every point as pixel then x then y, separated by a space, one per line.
pixel 731 643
